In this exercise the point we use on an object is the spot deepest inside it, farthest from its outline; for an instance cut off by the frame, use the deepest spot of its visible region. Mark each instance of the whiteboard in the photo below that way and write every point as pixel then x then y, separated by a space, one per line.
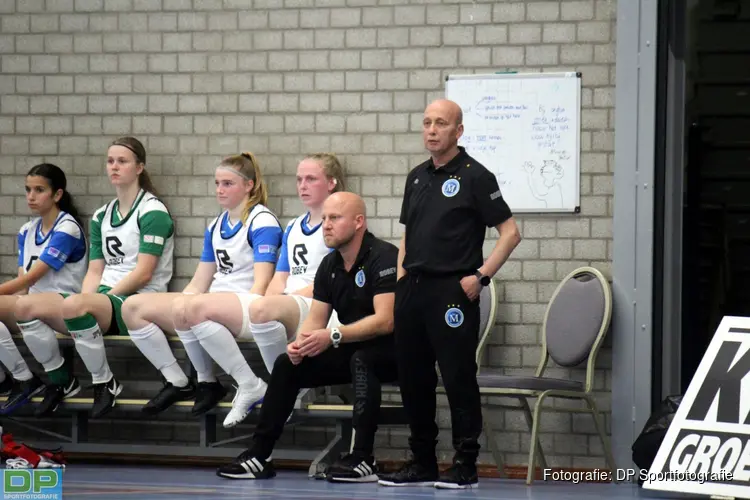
pixel 525 128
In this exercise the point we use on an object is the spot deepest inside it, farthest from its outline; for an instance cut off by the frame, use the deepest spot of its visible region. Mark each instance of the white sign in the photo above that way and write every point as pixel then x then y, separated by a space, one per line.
pixel 707 447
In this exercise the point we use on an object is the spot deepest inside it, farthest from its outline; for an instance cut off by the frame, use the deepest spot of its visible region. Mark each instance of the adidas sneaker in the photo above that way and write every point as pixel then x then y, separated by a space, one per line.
pixel 353 468
pixel 247 466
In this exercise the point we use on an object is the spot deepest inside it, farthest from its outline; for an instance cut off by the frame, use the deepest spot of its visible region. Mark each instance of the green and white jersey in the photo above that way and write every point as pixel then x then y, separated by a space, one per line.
pixel 147 228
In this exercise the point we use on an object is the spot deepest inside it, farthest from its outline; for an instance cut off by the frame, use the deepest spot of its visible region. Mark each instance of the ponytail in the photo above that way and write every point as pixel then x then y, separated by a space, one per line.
pixel 145 183
pixel 259 194
pixel 66 205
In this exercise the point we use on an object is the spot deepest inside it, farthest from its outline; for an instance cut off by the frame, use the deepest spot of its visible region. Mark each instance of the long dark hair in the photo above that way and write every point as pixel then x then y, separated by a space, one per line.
pixel 57 180
pixel 137 148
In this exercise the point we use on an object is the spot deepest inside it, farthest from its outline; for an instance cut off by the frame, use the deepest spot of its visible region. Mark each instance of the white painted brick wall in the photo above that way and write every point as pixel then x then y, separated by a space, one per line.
pixel 199 79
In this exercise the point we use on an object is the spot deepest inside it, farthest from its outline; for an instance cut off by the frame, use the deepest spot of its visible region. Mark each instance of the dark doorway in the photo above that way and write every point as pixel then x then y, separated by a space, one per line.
pixel 716 213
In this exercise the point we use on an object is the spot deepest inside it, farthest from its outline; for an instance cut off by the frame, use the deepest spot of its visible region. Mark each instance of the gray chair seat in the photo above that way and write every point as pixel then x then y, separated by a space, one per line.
pixel 529 383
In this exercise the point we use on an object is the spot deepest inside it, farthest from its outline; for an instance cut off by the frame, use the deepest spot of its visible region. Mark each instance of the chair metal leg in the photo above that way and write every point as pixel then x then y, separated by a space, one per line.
pixel 529 420
pixel 489 430
pixel 602 435
pixel 534 439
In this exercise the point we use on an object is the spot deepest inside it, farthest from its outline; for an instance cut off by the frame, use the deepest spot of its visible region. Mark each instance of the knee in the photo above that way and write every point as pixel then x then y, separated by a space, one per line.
pixel 259 313
pixel 196 312
pixel 282 364
pixel 131 310
pixel 74 306
pixel 179 312
pixel 24 309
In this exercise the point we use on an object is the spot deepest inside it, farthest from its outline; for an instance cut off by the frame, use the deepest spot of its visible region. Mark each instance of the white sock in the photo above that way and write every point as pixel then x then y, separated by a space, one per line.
pixel 11 358
pixel 90 346
pixel 42 343
pixel 153 344
pixel 218 341
pixel 202 362
pixel 271 341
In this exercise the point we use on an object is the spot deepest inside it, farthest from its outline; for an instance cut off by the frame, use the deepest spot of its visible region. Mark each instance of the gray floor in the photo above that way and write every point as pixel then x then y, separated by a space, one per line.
pixel 151 482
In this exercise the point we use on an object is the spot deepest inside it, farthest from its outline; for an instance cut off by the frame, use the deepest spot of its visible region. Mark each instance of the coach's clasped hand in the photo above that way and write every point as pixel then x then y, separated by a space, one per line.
pixel 309 344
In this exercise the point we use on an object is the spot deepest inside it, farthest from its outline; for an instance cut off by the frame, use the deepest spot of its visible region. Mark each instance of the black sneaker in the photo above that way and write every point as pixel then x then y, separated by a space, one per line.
pixel 353 468
pixel 21 393
pixel 411 474
pixel 458 477
pixel 247 466
pixel 207 396
pixel 6 386
pixel 105 397
pixel 168 396
pixel 55 394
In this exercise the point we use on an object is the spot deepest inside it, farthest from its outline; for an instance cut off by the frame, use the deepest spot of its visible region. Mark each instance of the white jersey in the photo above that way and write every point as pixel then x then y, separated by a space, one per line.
pixel 63 249
pixel 147 228
pixel 236 248
pixel 305 249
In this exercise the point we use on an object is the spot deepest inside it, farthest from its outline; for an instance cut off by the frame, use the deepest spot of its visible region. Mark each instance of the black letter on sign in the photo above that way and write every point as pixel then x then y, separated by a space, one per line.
pixel 113 245
pixel 298 254
pixel 31 262
pixel 723 381
pixel 222 257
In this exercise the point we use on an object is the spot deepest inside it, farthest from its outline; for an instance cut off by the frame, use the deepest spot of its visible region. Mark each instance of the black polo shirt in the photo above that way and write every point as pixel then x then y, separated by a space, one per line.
pixel 351 292
pixel 446 212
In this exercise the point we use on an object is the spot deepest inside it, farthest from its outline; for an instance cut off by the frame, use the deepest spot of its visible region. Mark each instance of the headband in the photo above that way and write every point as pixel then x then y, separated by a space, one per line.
pixel 233 170
pixel 137 156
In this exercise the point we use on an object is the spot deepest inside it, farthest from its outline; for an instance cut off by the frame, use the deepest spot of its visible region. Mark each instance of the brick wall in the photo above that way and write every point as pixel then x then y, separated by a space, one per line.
pixel 198 79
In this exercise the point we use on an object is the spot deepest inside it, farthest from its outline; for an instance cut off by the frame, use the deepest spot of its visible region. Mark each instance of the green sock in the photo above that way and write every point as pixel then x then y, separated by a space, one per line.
pixel 60 376
pixel 85 322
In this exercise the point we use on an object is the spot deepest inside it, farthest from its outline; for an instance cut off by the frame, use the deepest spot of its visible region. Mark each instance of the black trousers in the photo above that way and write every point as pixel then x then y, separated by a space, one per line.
pixel 436 321
pixel 368 364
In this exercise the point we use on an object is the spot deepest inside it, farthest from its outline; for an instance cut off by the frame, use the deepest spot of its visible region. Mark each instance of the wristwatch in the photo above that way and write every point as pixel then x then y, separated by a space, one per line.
pixel 483 280
pixel 335 336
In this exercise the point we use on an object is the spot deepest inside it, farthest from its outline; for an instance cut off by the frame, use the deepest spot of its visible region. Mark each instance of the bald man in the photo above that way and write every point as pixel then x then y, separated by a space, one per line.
pixel 358 280
pixel 449 201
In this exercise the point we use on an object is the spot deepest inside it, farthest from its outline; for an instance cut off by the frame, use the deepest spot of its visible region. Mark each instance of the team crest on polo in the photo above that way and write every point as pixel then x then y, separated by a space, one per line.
pixel 454 317
pixel 706 450
pixel 359 279
pixel 451 187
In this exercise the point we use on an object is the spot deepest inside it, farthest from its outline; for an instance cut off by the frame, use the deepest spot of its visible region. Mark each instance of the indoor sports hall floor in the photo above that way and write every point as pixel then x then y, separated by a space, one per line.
pixel 118 482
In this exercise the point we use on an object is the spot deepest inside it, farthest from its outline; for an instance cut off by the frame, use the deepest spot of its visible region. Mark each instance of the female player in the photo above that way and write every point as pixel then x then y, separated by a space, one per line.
pixel 239 251
pixel 317 176
pixel 275 318
pixel 51 258
pixel 131 252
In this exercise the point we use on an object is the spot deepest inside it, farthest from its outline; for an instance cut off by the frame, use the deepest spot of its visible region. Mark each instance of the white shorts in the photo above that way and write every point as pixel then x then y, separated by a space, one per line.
pixel 245 300
pixel 304 304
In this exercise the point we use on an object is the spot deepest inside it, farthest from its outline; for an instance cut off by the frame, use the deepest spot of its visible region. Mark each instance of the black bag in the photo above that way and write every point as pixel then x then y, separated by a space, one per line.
pixel 646 446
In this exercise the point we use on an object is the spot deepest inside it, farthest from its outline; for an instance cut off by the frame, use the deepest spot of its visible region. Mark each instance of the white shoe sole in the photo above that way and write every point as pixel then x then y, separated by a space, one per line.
pixel 366 479
pixel 454 486
pixel 401 485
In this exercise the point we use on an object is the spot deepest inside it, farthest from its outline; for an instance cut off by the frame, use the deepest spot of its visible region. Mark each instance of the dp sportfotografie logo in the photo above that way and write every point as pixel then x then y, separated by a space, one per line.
pixel 32 484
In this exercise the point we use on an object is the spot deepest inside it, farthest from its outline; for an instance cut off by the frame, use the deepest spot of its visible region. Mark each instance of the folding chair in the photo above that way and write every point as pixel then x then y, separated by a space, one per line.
pixel 575 324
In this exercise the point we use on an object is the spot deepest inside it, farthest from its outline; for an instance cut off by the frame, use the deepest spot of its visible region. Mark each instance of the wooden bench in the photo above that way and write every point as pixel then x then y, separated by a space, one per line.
pixel 77 409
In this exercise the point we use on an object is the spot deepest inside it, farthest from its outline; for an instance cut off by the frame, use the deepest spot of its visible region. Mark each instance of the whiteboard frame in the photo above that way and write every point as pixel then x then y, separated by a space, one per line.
pixel 577 162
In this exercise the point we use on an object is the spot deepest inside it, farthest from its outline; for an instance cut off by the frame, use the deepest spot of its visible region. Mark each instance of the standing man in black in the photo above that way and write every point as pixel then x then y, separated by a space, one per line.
pixel 358 281
pixel 449 201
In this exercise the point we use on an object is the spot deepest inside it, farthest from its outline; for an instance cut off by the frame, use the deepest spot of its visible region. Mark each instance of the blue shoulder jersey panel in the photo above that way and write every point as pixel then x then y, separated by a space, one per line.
pixel 265 237
pixel 22 242
pixel 283 263
pixel 66 244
